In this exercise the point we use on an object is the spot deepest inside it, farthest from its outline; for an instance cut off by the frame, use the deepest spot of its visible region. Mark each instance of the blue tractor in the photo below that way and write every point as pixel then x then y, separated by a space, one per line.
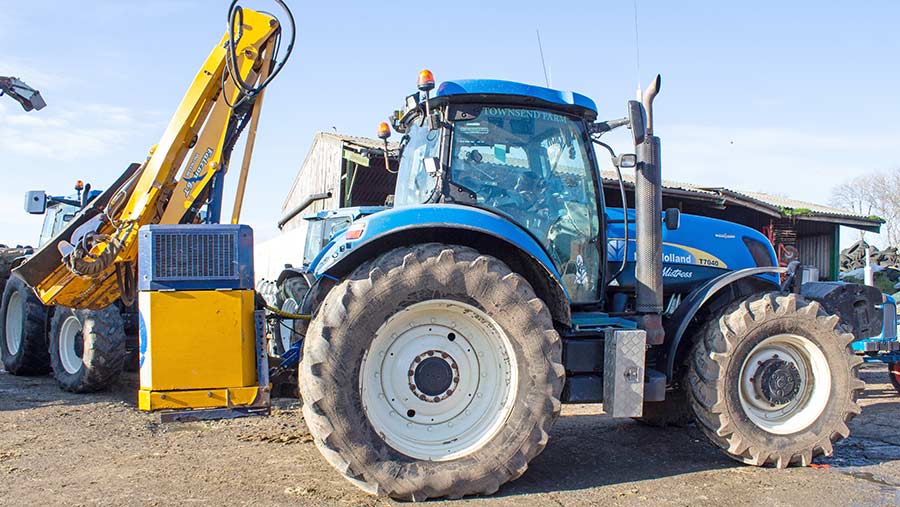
pixel 445 332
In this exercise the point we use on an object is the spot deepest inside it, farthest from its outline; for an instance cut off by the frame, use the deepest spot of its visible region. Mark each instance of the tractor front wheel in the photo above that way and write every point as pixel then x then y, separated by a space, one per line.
pixel 23 330
pixel 87 348
pixel 773 380
pixel 431 371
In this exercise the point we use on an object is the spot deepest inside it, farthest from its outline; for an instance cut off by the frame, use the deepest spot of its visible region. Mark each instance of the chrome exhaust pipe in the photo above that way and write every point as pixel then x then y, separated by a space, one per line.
pixel 648 222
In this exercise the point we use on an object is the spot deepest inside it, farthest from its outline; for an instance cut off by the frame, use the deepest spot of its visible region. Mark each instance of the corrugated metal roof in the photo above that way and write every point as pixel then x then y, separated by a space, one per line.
pixel 778 206
pixel 362 142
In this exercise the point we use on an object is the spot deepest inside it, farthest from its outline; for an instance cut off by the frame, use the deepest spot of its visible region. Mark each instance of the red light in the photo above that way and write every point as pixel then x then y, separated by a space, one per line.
pixel 426 80
pixel 384 131
pixel 79 185
pixel 356 230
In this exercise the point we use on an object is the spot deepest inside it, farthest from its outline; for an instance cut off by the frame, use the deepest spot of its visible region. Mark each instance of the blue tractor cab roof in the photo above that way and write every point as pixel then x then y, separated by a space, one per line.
pixel 485 88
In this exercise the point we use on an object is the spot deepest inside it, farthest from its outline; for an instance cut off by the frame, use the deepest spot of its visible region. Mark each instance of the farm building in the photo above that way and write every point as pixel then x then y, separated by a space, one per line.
pixel 338 171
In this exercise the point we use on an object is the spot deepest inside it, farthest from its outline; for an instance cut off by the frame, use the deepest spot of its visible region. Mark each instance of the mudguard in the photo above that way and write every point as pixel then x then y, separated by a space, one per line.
pixel 676 324
pixel 373 234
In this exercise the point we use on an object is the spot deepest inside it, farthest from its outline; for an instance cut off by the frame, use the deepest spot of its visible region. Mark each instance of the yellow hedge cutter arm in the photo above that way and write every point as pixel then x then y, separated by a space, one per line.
pixel 91 263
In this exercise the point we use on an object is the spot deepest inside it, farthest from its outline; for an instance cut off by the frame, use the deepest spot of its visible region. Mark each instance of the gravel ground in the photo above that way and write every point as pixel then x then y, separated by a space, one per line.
pixel 63 449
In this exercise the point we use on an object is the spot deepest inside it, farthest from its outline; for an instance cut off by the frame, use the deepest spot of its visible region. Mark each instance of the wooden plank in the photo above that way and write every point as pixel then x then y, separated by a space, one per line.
pixel 356 158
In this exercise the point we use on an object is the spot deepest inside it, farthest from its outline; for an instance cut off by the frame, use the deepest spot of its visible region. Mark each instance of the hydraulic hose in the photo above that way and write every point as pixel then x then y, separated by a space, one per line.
pixel 236 14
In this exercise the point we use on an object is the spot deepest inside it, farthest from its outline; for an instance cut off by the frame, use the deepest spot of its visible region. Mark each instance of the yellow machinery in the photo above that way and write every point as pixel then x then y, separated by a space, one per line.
pixel 93 262
pixel 200 342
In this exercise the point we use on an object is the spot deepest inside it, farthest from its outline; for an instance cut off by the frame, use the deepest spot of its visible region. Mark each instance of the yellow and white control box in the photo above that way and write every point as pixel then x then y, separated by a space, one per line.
pixel 198 349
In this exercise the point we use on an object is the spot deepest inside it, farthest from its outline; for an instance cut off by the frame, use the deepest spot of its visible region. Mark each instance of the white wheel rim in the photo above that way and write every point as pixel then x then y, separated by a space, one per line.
pixel 68 336
pixel 426 424
pixel 812 394
pixel 287 325
pixel 14 323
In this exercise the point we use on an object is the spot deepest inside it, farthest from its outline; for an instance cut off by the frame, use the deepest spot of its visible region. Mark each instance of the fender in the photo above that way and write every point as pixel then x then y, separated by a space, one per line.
pixel 677 324
pixel 441 222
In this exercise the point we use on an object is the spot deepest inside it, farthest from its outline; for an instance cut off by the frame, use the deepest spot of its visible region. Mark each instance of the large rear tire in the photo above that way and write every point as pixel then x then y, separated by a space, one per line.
pixel 23 330
pixel 87 348
pixel 774 381
pixel 432 371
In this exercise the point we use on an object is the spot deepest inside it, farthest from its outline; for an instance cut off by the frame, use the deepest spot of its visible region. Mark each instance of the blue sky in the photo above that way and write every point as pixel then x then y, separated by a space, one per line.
pixel 789 98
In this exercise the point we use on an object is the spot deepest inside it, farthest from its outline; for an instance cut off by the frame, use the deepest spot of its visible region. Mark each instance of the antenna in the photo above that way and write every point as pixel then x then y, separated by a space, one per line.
pixel 543 64
pixel 637 53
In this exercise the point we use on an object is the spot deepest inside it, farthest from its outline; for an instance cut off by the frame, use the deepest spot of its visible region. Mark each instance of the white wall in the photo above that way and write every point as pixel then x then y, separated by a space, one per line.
pixel 269 257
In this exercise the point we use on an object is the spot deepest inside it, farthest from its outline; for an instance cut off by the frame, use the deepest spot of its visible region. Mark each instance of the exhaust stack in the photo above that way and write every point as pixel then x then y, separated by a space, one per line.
pixel 648 222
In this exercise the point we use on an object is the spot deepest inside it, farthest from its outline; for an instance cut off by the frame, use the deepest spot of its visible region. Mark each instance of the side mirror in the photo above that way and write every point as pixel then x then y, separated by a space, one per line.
pixel 637 121
pixel 673 219
pixel 36 202
pixel 626 161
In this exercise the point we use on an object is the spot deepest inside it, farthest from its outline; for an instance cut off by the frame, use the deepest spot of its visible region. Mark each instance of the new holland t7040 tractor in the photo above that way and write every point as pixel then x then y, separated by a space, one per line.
pixel 447 330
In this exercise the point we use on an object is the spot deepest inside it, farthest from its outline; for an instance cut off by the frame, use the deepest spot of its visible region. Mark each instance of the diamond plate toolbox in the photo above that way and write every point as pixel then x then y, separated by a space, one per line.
pixel 623 372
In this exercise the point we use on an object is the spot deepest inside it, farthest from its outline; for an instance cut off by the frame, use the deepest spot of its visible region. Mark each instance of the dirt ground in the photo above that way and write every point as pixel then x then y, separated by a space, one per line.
pixel 63 449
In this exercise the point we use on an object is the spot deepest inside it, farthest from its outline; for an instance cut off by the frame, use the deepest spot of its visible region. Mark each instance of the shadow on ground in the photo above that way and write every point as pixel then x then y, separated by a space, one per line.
pixel 31 392
pixel 591 450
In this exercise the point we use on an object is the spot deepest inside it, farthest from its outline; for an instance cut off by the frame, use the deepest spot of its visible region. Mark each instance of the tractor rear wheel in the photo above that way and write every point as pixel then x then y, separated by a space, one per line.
pixel 87 348
pixel 894 374
pixel 431 371
pixel 23 330
pixel 773 380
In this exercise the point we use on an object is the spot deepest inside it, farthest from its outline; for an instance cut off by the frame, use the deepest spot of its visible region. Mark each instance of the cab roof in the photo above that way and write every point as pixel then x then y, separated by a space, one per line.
pixel 575 102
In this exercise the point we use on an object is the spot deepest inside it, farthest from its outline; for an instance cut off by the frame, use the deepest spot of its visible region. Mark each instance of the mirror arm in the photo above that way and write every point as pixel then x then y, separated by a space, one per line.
pixel 624 208
pixel 63 200
pixel 602 127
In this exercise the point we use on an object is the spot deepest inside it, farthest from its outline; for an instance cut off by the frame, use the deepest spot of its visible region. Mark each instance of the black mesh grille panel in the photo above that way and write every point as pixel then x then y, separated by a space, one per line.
pixel 195 256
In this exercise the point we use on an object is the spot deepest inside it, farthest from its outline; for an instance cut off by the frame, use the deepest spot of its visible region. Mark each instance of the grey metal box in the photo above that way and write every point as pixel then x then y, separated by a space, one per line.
pixel 623 372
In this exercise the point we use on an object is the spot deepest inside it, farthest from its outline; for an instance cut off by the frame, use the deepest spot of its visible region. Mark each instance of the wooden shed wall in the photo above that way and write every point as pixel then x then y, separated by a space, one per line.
pixel 320 172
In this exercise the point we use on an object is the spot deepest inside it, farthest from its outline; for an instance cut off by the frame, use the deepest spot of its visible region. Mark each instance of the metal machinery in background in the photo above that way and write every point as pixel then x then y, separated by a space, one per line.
pixel 884 348
pixel 200 342
pixel 91 263
pixel 25 95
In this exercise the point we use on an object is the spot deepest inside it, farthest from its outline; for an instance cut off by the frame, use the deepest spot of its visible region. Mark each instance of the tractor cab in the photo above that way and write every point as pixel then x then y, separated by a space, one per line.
pixel 58 211
pixel 519 151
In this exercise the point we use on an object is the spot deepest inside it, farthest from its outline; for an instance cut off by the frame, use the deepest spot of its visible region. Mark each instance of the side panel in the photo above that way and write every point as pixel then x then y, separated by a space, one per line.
pixel 201 339
pixel 700 249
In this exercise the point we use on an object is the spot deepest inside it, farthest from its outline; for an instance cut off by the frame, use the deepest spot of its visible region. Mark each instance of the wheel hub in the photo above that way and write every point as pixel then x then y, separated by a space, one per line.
pixel 785 383
pixel 778 381
pixel 438 380
pixel 433 376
